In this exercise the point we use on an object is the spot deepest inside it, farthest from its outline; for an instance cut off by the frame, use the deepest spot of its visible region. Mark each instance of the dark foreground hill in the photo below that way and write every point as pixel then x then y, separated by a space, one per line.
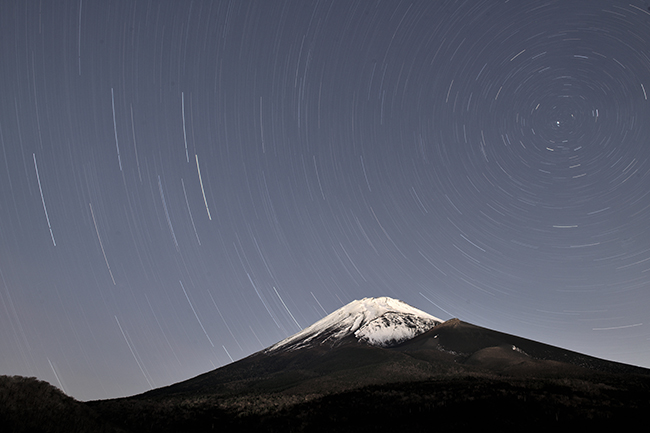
pixel 456 375
pixel 29 405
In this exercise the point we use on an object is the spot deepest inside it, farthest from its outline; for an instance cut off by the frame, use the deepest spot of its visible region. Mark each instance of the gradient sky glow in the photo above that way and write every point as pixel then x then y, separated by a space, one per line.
pixel 184 183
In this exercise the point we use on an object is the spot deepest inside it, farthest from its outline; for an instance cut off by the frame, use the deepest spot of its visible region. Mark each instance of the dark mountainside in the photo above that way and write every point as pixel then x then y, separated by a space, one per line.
pixel 453 375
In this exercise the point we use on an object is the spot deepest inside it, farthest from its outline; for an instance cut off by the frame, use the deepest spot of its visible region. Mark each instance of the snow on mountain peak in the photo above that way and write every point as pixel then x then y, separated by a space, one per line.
pixel 376 321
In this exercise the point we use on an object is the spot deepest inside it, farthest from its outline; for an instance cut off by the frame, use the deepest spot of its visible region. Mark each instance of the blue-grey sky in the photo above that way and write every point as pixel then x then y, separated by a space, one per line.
pixel 184 183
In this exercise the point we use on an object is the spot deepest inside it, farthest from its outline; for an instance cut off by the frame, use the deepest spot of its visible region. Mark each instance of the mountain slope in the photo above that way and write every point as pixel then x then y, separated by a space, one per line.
pixel 497 352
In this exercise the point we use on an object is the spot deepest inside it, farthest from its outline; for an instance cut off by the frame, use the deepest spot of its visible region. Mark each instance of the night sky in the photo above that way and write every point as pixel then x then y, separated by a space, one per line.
pixel 184 183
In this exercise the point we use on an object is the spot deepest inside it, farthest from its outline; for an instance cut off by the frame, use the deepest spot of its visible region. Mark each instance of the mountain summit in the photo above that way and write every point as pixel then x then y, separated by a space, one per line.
pixel 380 322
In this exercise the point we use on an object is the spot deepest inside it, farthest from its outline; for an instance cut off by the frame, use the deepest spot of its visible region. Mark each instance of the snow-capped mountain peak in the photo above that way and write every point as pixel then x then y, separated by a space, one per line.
pixel 375 321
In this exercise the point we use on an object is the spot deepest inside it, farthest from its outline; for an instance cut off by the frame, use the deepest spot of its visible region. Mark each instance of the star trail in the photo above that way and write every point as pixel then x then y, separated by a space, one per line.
pixel 184 183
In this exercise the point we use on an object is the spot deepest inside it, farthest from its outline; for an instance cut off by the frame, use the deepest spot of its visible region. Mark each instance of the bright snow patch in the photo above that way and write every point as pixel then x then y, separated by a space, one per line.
pixel 375 321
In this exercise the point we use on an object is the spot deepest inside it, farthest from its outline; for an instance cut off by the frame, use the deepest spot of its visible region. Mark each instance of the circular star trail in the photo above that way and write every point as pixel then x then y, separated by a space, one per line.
pixel 183 184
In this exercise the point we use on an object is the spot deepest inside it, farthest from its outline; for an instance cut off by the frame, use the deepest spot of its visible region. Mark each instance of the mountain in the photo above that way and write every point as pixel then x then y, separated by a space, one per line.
pixel 378 364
